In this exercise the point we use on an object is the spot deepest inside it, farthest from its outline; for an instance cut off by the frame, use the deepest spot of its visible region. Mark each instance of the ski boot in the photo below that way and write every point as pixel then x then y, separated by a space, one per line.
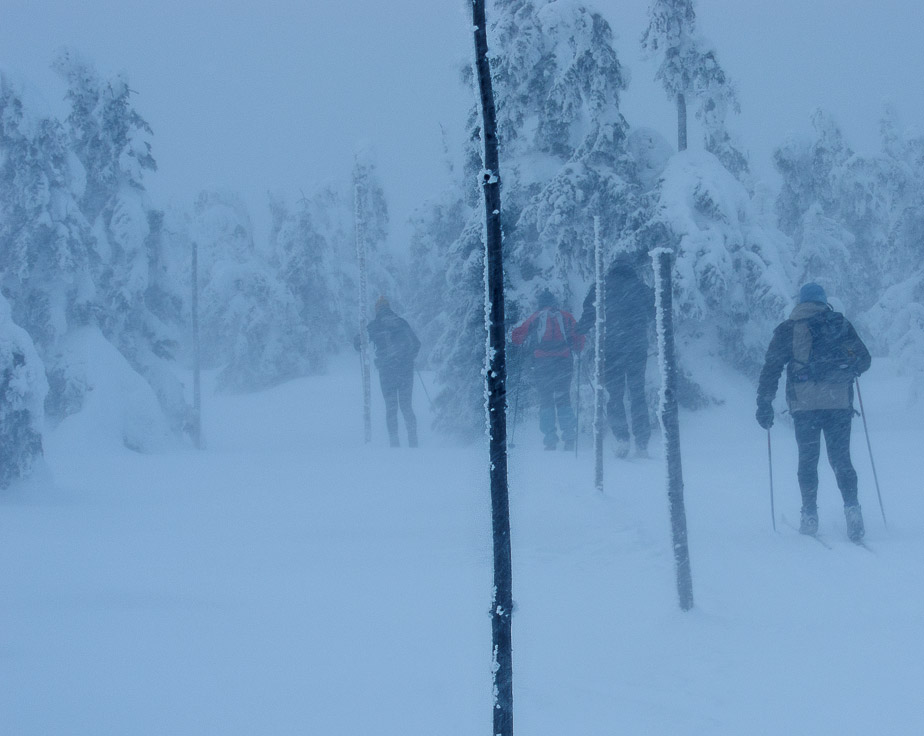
pixel 855 529
pixel 808 524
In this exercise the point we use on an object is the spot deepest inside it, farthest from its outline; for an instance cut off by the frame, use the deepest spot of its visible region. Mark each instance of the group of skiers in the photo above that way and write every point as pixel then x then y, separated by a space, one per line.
pixel 551 336
pixel 818 347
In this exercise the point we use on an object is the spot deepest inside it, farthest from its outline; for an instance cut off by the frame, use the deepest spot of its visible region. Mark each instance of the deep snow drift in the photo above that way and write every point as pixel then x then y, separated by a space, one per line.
pixel 290 580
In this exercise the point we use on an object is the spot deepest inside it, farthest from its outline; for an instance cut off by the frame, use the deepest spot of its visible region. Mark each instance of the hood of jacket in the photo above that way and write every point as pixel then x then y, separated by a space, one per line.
pixel 807 310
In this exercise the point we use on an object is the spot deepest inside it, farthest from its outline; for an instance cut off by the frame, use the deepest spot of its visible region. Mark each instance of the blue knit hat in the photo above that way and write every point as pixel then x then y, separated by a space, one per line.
pixel 812 292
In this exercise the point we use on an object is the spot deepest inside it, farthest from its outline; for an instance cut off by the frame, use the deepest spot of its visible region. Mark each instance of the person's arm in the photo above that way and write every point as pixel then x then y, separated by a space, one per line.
pixel 857 351
pixel 589 312
pixel 575 338
pixel 778 355
pixel 413 340
pixel 522 332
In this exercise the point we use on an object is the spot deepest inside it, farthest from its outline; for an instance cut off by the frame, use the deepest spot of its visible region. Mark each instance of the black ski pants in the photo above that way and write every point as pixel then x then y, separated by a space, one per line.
pixel 397 387
pixel 624 372
pixel 835 423
pixel 552 375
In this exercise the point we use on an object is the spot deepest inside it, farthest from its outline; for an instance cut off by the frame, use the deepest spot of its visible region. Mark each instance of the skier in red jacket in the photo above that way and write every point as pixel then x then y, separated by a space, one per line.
pixel 550 335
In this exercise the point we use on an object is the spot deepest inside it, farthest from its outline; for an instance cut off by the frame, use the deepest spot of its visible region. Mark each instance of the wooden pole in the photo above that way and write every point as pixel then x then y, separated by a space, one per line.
pixel 599 358
pixel 496 389
pixel 670 422
pixel 363 312
pixel 197 360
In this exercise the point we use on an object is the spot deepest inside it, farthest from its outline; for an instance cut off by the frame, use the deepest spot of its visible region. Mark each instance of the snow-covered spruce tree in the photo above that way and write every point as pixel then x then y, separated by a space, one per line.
pixel 46 255
pixel 895 323
pixel 690 73
pixel 733 273
pixel 370 210
pixel 250 326
pixel 838 209
pixel 329 212
pixel 112 141
pixel 557 81
pixel 22 399
pixel 303 265
pixel 435 227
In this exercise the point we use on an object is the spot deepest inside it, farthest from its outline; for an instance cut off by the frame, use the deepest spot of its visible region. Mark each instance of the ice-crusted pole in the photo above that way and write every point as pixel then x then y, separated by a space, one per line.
pixel 363 308
pixel 599 334
pixel 197 362
pixel 663 261
pixel 495 387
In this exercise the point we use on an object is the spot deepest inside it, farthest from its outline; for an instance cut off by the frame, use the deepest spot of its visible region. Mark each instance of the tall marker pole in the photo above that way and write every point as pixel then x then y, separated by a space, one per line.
pixel 496 388
pixel 363 311
pixel 197 358
pixel 599 367
pixel 663 260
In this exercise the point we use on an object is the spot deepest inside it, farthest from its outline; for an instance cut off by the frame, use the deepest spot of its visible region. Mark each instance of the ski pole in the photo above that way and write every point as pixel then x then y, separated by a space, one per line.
pixel 426 393
pixel 870 448
pixel 770 462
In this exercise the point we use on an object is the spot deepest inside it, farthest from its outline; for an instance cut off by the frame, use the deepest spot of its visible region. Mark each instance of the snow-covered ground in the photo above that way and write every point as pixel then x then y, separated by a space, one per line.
pixel 290 580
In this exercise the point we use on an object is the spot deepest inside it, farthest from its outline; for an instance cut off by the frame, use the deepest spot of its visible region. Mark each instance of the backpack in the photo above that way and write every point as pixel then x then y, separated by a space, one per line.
pixel 820 350
pixel 551 337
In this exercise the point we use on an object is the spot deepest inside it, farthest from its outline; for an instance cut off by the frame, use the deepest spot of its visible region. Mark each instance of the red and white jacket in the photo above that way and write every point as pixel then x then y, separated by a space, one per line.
pixel 553 331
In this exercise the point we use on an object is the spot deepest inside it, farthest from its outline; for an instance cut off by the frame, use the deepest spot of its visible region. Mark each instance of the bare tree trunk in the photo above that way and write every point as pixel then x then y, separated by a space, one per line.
pixel 681 122
pixel 670 422
pixel 496 389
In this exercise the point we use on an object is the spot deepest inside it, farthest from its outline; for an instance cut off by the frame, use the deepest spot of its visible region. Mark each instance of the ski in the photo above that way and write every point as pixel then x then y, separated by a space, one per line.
pixel 815 536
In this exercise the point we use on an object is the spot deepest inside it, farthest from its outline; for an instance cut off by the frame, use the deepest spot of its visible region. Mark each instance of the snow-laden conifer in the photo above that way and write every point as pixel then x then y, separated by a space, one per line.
pixel 46 247
pixel 563 143
pixel 690 73
pixel 733 275
pixel 251 326
pixel 113 143
pixel 22 400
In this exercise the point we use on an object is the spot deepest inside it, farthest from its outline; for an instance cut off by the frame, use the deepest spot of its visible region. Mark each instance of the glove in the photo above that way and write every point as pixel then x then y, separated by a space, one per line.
pixel 765 414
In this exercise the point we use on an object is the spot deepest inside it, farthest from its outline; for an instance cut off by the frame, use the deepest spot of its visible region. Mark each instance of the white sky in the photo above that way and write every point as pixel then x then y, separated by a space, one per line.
pixel 277 94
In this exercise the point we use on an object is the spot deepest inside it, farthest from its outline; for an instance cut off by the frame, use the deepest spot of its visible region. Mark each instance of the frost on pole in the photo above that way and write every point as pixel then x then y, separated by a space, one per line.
pixel 363 306
pixel 599 335
pixel 495 387
pixel 663 262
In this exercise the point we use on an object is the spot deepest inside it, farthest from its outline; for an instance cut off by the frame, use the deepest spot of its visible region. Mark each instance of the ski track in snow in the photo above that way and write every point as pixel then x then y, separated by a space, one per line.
pixel 291 580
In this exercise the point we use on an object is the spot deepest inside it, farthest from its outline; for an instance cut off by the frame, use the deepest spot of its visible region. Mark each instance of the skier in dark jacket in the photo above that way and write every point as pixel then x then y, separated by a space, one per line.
pixel 551 335
pixel 396 347
pixel 823 355
pixel 628 306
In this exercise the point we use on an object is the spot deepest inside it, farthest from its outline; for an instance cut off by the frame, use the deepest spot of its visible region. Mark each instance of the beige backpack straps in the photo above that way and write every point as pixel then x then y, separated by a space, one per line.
pixel 801 341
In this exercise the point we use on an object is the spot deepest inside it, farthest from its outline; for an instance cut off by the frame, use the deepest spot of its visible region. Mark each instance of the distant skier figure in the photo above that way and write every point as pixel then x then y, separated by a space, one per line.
pixel 396 347
pixel 551 334
pixel 628 307
pixel 823 355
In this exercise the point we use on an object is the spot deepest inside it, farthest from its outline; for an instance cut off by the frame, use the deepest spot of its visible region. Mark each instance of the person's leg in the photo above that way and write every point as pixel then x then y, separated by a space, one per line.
pixel 638 403
pixel 566 419
pixel 405 401
pixel 615 383
pixel 837 441
pixel 808 440
pixel 545 388
pixel 390 394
